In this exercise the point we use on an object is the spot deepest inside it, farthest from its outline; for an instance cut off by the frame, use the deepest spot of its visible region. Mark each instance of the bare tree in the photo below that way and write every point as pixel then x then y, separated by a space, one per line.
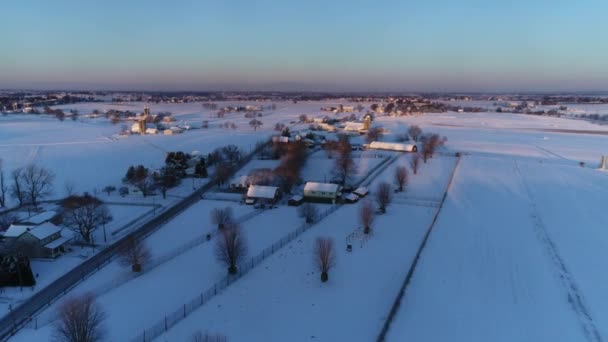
pixel 222 172
pixel 303 118
pixel 324 256
pixel 401 177
pixel 345 166
pixel 3 187
pixel 134 253
pixel 231 247
pixel 309 212
pixel 414 132
pixel 255 123
pixel 222 217
pixel 207 337
pixel 383 196
pixel 69 188
pixel 37 182
pixel 366 216
pixel 80 319
pixel 7 219
pixel 16 189
pixel 415 162
pixel 84 214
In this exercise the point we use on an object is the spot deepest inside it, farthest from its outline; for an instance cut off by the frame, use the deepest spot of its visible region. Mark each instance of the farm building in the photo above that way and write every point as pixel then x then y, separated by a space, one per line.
pixel 261 193
pixel 321 192
pixel 399 147
pixel 41 241
pixel 358 127
pixel 41 218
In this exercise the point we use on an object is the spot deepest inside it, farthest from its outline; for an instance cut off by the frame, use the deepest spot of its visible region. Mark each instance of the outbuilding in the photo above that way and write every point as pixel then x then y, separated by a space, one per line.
pixel 361 191
pixel 351 198
pixel 262 193
pixel 321 192
pixel 398 147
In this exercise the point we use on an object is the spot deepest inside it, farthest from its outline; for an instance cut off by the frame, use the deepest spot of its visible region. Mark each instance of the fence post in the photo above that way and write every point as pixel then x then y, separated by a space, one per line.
pixel 144 335
pixel 201 298
pixel 184 310
pixel 165 323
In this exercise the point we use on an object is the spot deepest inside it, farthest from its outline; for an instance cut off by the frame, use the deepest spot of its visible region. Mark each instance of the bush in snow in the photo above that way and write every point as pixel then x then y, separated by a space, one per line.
pixel 324 256
pixel 383 196
pixel 80 319
pixel 222 217
pixel 366 216
pixel 401 177
pixel 231 247
pixel 309 212
pixel 134 253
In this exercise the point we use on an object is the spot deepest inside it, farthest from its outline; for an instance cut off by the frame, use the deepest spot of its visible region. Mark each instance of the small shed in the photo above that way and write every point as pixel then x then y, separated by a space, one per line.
pixel 266 194
pixel 321 192
pixel 295 201
pixel 361 191
pixel 351 198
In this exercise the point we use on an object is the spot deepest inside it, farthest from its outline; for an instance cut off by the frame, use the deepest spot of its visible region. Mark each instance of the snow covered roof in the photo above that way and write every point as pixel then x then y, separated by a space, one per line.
pixel 40 218
pixel 379 145
pixel 280 139
pixel 65 237
pixel 361 191
pixel 296 198
pixel 325 187
pixel 261 191
pixel 352 197
pixel 44 230
pixel 14 231
pixel 354 126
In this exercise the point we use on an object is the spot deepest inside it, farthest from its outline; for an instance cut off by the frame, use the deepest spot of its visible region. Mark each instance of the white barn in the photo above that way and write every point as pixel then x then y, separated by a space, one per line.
pixel 399 147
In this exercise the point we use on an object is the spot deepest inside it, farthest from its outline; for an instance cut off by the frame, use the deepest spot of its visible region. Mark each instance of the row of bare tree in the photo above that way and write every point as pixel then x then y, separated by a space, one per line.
pixel 28 185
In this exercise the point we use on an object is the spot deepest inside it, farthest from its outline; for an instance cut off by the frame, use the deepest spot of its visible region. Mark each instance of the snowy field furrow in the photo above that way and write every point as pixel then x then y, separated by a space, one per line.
pixel 484 276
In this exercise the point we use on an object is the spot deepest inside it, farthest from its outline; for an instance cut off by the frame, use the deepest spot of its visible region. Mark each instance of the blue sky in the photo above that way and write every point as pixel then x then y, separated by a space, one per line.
pixel 313 45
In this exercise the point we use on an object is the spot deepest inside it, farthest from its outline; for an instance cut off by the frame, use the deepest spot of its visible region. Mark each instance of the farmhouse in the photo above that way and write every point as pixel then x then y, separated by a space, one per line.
pixel 321 192
pixel 399 147
pixel 41 241
pixel 261 193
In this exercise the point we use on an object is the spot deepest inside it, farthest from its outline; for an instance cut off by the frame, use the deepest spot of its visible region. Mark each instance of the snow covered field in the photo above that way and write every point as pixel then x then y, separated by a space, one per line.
pixel 522 229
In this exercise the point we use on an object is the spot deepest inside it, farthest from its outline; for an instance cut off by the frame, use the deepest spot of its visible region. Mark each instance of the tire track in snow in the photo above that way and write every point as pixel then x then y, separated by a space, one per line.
pixel 575 296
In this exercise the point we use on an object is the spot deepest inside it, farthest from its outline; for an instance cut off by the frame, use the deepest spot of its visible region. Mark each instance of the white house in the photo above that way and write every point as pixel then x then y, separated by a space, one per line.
pixel 399 147
pixel 321 192
pixel 41 241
